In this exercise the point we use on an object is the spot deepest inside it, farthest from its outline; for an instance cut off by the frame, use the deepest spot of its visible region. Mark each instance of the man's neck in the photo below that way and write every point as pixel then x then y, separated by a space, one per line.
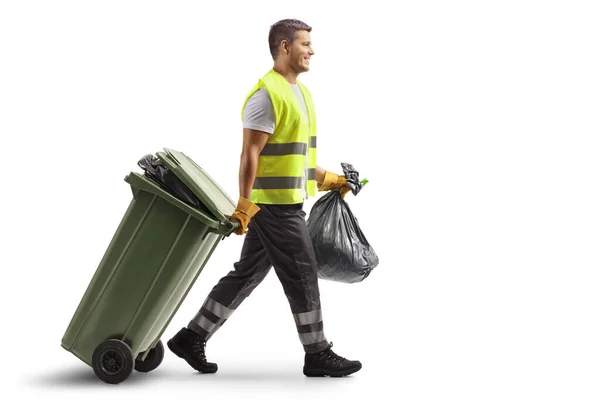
pixel 289 74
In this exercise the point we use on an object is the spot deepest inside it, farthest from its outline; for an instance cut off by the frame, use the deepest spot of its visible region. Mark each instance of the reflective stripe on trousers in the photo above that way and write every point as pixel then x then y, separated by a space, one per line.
pixel 211 317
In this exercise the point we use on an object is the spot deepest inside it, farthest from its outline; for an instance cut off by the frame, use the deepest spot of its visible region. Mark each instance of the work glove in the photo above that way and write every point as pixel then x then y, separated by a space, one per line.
pixel 344 189
pixel 333 181
pixel 244 211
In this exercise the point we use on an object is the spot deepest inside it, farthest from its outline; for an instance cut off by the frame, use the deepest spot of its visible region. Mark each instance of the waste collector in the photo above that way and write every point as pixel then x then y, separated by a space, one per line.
pixel 277 173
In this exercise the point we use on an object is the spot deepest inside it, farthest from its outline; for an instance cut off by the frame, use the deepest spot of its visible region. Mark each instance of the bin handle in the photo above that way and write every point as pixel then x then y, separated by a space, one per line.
pixel 232 225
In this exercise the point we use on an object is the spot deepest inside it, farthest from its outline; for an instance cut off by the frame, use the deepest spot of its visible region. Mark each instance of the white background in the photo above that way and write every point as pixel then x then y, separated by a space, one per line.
pixel 476 123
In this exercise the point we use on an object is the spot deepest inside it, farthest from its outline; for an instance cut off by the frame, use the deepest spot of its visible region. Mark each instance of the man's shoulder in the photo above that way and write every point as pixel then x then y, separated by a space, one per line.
pixel 260 96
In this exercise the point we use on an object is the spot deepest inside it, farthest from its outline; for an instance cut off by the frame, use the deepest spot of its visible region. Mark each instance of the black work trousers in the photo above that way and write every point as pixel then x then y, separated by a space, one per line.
pixel 277 237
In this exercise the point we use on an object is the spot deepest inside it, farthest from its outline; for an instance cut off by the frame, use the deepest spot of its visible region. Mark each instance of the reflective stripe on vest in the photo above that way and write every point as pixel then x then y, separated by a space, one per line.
pixel 282 161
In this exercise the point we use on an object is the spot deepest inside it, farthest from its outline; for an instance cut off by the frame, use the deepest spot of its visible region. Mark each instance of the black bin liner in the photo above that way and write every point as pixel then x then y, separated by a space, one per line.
pixel 155 170
pixel 342 251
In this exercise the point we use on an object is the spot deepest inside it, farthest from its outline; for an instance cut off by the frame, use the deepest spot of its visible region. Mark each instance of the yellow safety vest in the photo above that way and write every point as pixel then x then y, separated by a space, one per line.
pixel 282 161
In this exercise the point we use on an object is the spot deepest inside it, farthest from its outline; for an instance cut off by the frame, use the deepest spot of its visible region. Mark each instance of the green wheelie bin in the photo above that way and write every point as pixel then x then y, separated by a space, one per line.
pixel 154 258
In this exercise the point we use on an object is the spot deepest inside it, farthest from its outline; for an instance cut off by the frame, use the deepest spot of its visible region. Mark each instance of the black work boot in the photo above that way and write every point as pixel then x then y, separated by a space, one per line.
pixel 188 345
pixel 327 363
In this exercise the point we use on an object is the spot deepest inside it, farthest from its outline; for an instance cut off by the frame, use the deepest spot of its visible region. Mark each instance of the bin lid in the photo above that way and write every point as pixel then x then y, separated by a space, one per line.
pixel 199 182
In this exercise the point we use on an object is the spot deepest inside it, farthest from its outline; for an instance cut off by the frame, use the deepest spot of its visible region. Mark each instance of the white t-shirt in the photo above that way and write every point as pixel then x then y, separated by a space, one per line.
pixel 259 115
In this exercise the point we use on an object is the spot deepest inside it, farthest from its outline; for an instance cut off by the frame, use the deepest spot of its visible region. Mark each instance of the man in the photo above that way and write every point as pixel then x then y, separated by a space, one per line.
pixel 277 172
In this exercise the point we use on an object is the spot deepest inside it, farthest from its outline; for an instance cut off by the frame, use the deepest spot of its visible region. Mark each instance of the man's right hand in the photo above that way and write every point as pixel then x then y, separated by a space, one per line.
pixel 243 213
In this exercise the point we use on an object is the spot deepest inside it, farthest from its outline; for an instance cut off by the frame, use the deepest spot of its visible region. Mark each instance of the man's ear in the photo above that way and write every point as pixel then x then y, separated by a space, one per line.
pixel 285 47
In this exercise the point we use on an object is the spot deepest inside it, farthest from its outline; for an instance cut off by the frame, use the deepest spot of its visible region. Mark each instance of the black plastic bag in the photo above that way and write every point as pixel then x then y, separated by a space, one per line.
pixel 343 253
pixel 351 175
pixel 155 170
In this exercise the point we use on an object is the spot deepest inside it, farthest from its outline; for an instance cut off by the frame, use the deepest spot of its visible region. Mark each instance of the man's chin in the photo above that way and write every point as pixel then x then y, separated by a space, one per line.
pixel 302 68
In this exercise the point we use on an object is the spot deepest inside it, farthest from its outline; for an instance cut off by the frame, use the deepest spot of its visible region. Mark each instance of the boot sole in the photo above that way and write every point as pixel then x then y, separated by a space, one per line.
pixel 334 374
pixel 181 354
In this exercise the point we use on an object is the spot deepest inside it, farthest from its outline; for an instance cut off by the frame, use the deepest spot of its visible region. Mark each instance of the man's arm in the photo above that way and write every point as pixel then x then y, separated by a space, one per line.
pixel 320 175
pixel 253 143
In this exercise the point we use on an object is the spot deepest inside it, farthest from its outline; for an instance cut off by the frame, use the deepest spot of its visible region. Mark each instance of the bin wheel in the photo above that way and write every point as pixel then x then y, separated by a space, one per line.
pixel 153 359
pixel 112 361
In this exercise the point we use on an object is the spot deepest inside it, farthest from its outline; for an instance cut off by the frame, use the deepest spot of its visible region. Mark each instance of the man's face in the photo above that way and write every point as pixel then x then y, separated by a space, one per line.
pixel 301 51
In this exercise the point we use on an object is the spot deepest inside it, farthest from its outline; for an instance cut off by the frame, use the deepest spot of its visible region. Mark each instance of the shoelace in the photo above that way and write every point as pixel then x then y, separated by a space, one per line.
pixel 332 358
pixel 198 347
